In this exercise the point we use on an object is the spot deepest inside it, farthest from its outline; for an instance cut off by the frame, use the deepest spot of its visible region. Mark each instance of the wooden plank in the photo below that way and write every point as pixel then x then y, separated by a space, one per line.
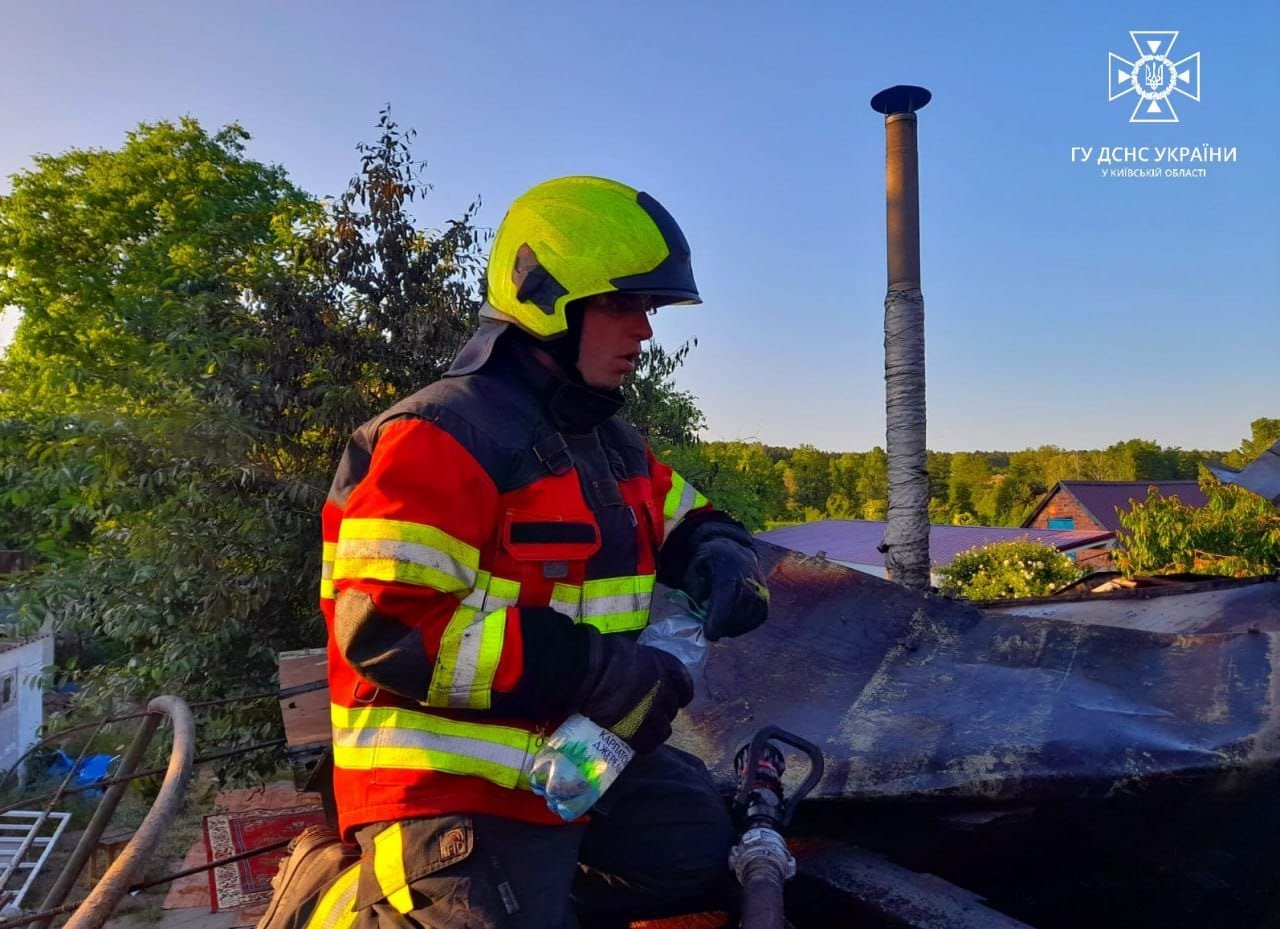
pixel 306 715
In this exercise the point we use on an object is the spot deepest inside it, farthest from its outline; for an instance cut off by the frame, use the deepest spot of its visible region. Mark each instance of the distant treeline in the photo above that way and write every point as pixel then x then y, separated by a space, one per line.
pixel 765 485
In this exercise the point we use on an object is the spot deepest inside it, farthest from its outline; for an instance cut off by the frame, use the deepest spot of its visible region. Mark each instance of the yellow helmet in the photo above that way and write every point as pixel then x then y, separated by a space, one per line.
pixel 576 237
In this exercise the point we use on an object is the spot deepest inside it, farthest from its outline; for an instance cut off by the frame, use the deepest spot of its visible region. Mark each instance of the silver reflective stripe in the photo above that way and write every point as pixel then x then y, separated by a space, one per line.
pixel 388 739
pixel 467 662
pixel 475 597
pixel 566 599
pixel 688 494
pixel 414 553
pixel 493 602
pixel 492 593
pixel 468 666
pixel 620 603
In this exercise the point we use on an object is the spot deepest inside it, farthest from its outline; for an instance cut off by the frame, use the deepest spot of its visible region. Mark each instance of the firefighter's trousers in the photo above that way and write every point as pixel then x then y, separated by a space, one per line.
pixel 657 843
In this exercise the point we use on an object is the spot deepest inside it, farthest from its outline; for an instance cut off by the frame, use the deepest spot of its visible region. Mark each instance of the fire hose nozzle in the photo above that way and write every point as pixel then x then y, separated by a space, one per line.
pixel 758 848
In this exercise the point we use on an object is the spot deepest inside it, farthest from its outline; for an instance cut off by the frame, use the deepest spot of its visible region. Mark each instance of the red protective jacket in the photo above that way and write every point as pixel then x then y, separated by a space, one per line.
pixel 462 526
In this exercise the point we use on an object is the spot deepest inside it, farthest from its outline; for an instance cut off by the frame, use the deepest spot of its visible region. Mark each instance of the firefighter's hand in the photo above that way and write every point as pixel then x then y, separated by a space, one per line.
pixel 725 580
pixel 633 690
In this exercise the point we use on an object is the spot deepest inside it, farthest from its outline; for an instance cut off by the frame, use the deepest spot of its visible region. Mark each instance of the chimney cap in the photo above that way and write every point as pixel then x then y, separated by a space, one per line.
pixel 900 98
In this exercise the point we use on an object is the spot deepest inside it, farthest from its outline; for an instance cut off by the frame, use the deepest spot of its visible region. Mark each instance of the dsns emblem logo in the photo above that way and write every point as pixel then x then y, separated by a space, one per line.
pixel 1153 77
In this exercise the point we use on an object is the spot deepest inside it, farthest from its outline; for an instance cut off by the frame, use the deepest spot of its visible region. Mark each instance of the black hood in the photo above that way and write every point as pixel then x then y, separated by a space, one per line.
pixel 501 349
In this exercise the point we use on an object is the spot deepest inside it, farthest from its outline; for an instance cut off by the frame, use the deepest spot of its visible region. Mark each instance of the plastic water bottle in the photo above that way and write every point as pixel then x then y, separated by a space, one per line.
pixel 680 634
pixel 581 759
pixel 576 765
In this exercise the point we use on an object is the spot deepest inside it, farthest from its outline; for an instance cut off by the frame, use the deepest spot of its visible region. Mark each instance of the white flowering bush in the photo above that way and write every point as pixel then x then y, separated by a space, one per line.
pixel 1008 571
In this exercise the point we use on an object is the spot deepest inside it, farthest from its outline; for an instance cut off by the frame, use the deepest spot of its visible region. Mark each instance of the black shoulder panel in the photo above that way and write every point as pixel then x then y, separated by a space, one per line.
pixel 492 417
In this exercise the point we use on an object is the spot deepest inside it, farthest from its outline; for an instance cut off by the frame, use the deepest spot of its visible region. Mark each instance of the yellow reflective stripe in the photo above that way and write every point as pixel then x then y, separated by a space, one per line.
pixel 612 587
pixel 492 593
pixel 366 738
pixel 336 907
pixel 475 598
pixel 393 550
pixel 468 659
pixel 502 593
pixel 566 599
pixel 617 604
pixel 681 498
pixel 388 867
pixel 328 551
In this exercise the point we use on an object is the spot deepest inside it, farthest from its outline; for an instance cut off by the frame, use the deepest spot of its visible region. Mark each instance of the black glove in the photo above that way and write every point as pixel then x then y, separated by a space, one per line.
pixel 725 580
pixel 633 690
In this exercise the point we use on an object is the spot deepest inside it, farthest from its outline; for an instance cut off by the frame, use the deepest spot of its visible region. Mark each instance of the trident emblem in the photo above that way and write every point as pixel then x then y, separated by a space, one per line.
pixel 1153 77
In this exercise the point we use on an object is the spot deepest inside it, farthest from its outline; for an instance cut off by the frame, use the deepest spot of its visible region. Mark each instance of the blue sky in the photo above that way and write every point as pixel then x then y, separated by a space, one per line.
pixel 1062 307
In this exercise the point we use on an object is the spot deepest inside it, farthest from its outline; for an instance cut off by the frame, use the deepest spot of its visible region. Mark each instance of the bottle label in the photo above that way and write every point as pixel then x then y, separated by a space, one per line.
pixel 596 752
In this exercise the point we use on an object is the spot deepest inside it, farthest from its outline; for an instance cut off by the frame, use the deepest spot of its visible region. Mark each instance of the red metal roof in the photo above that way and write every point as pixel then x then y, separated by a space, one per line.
pixel 854 541
pixel 1102 498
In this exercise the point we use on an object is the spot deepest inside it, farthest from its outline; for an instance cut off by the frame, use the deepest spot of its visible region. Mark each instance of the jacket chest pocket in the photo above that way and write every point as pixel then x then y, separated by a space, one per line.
pixel 552 551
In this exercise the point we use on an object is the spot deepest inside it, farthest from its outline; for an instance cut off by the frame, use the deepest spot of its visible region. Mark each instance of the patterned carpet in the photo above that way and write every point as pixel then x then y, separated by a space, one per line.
pixel 247 882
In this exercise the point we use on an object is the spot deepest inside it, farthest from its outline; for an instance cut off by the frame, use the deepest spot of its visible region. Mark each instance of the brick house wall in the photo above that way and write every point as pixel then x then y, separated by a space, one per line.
pixel 1062 506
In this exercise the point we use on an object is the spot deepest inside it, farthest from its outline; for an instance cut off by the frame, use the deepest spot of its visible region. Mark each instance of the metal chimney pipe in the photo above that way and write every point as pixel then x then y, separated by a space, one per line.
pixel 906 537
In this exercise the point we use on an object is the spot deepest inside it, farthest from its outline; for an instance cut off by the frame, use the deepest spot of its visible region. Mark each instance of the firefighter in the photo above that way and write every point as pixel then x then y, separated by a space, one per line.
pixel 491 547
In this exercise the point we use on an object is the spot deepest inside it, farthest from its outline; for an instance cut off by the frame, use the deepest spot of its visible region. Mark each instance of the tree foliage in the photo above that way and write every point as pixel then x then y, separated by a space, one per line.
pixel 198 338
pixel 1263 433
pixel 1008 571
pixel 411 292
pixel 1236 533
pixel 664 414
pixel 965 488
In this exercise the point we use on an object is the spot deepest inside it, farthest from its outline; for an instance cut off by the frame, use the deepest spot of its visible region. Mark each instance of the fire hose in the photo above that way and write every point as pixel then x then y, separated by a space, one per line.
pixel 761 859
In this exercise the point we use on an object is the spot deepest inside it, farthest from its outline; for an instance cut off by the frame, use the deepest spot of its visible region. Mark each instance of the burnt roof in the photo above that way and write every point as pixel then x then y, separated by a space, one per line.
pixel 855 541
pixel 1101 499
pixel 1262 475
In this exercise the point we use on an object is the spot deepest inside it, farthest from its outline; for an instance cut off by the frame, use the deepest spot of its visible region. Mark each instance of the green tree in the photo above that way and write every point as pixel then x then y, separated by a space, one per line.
pixel 728 488
pixel 1008 571
pixel 873 484
pixel 939 465
pixel 967 484
pixel 739 477
pixel 1263 434
pixel 1020 489
pixel 844 502
pixel 1143 460
pixel 664 414
pixel 1236 533
pixel 198 338
pixel 166 519
pixel 407 295
pixel 758 471
pixel 810 478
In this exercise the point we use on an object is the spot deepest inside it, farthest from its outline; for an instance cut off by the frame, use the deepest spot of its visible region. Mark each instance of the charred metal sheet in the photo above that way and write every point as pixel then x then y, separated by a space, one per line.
pixel 886 890
pixel 1249 606
pixel 914 697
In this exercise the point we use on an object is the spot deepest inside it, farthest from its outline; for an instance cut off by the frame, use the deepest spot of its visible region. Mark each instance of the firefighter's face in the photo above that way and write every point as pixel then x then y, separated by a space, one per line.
pixel 614 327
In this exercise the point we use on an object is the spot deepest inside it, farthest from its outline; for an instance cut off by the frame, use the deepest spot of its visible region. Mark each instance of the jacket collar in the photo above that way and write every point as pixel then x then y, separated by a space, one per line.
pixel 572 406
